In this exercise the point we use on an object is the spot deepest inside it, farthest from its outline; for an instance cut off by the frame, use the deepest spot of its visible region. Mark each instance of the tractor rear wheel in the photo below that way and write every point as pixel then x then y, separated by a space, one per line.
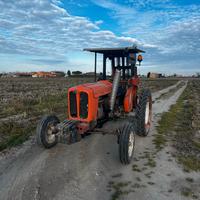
pixel 126 143
pixel 46 130
pixel 144 113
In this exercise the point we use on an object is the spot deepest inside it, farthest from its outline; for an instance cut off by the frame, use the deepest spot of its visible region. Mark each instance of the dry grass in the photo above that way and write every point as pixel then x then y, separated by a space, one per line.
pixel 14 133
pixel 24 100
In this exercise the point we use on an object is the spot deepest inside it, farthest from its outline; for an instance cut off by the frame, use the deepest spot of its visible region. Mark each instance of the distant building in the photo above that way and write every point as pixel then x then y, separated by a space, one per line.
pixel 23 74
pixel 8 75
pixel 76 73
pixel 48 74
pixel 43 75
pixel 154 75
pixel 40 74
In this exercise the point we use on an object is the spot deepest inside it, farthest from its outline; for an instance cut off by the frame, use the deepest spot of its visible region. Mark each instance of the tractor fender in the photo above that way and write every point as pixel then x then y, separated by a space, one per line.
pixel 128 100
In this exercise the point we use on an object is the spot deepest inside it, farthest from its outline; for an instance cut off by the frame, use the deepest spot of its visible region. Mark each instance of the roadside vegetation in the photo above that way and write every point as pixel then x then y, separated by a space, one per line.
pixel 24 100
pixel 158 84
pixel 181 128
pixel 170 92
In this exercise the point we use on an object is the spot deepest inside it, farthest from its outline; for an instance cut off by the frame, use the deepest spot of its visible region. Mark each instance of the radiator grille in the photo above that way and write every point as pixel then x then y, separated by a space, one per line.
pixel 83 105
pixel 73 104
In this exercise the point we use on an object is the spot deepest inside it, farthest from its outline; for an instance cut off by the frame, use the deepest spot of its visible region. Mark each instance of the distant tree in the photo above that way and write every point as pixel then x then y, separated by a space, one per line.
pixel 174 75
pixel 198 74
pixel 148 74
pixel 68 73
pixel 76 72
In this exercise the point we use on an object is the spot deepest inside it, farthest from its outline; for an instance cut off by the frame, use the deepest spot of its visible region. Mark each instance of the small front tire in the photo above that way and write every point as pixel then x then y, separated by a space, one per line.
pixel 126 143
pixel 46 131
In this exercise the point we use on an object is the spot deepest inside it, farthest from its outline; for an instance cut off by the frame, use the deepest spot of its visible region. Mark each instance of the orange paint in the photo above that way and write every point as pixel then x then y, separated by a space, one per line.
pixel 130 97
pixel 128 100
pixel 94 91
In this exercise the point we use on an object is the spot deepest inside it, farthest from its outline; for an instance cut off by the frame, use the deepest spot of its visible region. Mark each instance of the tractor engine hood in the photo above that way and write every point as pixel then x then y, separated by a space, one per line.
pixel 84 100
pixel 98 89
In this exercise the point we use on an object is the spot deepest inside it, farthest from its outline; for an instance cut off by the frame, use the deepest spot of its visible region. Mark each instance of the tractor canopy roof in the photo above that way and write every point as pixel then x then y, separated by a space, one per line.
pixel 121 58
pixel 122 51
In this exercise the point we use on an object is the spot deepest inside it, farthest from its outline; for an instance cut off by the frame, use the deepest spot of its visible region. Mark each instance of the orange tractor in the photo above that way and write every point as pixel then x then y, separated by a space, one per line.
pixel 110 105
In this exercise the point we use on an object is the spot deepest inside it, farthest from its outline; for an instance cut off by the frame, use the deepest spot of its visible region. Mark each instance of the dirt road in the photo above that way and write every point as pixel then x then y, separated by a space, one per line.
pixel 85 170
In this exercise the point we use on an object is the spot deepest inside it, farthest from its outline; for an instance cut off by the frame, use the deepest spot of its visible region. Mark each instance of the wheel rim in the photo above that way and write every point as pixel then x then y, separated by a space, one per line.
pixel 131 144
pixel 50 137
pixel 147 113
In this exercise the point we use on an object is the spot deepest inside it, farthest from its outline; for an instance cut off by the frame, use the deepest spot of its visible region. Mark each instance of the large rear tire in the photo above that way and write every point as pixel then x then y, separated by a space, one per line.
pixel 144 113
pixel 126 143
pixel 46 131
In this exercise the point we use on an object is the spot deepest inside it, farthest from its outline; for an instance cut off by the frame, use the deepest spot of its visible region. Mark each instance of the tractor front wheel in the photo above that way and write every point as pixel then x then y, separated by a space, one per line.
pixel 144 113
pixel 126 143
pixel 46 130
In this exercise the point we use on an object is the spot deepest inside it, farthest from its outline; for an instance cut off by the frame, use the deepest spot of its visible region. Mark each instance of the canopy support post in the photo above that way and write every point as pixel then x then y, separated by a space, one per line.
pixel 104 66
pixel 95 67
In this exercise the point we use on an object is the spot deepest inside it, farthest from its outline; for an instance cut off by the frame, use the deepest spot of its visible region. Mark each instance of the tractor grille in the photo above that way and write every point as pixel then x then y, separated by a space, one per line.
pixel 83 105
pixel 73 107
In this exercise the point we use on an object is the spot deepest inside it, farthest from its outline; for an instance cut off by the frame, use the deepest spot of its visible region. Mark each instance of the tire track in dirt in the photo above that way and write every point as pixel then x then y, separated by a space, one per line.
pixel 81 170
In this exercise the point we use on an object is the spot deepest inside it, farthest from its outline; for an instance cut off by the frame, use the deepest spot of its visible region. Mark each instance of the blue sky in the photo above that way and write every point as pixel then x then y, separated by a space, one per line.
pixel 50 34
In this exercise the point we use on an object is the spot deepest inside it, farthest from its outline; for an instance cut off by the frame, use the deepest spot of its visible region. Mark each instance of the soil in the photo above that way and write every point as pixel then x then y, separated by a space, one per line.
pixel 91 169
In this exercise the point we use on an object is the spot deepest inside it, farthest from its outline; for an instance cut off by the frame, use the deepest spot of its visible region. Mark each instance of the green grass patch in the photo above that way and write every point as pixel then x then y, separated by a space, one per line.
pixel 148 175
pixel 137 185
pixel 151 183
pixel 136 168
pixel 196 144
pixel 117 175
pixel 166 124
pixel 150 160
pixel 187 192
pixel 14 134
pixel 191 163
pixel 190 180
pixel 119 189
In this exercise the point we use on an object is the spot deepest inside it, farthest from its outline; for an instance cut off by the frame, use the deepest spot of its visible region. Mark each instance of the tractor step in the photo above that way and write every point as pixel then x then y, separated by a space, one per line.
pixel 68 132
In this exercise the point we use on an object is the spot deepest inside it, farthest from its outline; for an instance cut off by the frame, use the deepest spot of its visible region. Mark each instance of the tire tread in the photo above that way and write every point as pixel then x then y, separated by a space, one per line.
pixel 140 112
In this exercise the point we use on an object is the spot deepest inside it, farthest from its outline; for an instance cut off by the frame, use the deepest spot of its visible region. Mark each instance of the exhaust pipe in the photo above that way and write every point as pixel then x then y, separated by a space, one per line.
pixel 115 86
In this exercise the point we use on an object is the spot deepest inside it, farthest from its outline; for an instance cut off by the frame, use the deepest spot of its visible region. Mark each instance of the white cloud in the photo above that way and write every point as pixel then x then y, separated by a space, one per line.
pixel 181 37
pixel 41 27
pixel 170 32
pixel 99 22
